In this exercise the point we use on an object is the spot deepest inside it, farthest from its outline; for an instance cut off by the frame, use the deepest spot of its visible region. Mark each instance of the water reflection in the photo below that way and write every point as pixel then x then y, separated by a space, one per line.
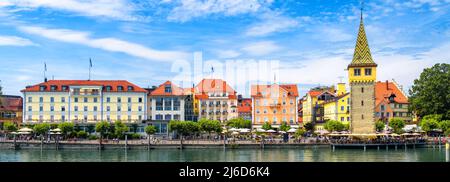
pixel 229 155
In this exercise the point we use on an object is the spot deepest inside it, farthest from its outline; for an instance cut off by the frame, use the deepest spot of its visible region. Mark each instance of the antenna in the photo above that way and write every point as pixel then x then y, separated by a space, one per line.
pixel 362 8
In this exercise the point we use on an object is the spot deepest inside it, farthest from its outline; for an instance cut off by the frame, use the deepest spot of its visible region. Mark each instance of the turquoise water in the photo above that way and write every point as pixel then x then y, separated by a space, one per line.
pixel 229 155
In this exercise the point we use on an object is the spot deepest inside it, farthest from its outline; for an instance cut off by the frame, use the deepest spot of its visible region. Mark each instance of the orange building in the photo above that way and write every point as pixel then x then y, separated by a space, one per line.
pixel 391 102
pixel 11 109
pixel 245 108
pixel 274 104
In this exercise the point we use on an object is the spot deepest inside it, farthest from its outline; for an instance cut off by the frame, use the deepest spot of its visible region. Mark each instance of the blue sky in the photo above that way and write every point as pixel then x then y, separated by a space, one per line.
pixel 141 41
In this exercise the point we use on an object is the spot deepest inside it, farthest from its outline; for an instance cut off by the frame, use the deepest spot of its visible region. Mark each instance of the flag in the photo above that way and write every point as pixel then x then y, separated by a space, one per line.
pixel 90 62
pixel 212 69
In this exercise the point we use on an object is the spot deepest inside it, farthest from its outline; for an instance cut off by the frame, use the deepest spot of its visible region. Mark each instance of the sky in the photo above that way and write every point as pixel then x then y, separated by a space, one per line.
pixel 304 42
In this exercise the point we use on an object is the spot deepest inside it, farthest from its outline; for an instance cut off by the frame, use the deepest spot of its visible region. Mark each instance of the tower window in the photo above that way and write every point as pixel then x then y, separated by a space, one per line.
pixel 362 103
pixel 362 90
pixel 357 72
pixel 368 71
pixel 362 116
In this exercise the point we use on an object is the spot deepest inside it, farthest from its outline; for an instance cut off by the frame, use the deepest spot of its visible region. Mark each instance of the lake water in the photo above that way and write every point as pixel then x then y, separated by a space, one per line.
pixel 228 155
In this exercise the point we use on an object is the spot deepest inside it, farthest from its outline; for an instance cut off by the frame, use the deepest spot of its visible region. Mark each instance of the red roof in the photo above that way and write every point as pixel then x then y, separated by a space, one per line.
pixel 245 105
pixel 10 103
pixel 213 86
pixel 314 93
pixel 383 90
pixel 258 89
pixel 59 83
pixel 160 91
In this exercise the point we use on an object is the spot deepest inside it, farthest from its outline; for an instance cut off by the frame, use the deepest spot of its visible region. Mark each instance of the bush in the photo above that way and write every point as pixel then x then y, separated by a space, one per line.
pixel 379 125
pixel 9 126
pixel 397 125
pixel 266 126
pixel 334 126
pixel 82 134
pixel 92 137
pixel 135 136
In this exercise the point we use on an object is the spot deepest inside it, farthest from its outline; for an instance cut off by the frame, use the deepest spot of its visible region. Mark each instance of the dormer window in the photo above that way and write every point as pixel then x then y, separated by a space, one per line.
pixel 168 88
pixel 42 88
pixel 119 88
pixel 64 87
pixel 130 88
pixel 53 88
pixel 391 98
pixel 108 88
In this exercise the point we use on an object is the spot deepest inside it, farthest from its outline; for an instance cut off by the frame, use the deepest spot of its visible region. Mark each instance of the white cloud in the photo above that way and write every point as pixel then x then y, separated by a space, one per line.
pixel 271 23
pixel 108 44
pixel 189 9
pixel 261 48
pixel 224 54
pixel 329 34
pixel 116 9
pixel 15 41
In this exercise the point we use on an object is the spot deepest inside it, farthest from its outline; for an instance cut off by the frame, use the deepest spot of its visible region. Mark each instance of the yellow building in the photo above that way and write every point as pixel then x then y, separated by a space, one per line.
pixel 84 101
pixel 313 104
pixel 338 109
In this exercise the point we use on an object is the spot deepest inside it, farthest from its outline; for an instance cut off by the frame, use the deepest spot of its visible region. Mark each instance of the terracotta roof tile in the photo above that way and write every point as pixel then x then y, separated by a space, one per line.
pixel 59 83
pixel 245 105
pixel 160 91
pixel 256 90
pixel 11 103
pixel 385 89
pixel 212 86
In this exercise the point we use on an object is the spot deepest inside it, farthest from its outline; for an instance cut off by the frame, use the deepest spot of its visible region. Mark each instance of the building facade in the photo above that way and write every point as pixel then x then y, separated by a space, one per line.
pixel 338 108
pixel 362 77
pixel 215 100
pixel 274 104
pixel 11 107
pixel 391 102
pixel 84 101
pixel 313 104
pixel 245 108
pixel 166 103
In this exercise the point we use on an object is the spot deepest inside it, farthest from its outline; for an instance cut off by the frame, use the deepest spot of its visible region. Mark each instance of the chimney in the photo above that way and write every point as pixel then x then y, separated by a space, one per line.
pixel 387 85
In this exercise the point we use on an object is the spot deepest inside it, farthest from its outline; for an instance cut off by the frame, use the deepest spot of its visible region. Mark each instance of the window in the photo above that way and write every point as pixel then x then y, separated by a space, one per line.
pixel 342 118
pixel 167 104
pixel 85 108
pixel 119 100
pixel 266 119
pixel 130 88
pixel 140 108
pixel 75 99
pixel 362 116
pixel 75 108
pixel 63 118
pixel 52 118
pixel 52 108
pixel 95 108
pixel 41 99
pixel 168 117
pixel 63 108
pixel 85 117
pixel 41 118
pixel 108 88
pixel 29 108
pixel 368 71
pixel 95 99
pixel 176 117
pixel 140 118
pixel 265 111
pixel 129 117
pixel 95 117
pixel 257 111
pixel 159 104
pixel 362 90
pixel 42 88
pixel 108 108
pixel 342 108
pixel 140 100
pixel 129 99
pixel 85 99
pixel 30 99
pixel 119 118
pixel 108 99
pixel 41 108
pixel 274 111
pixel 362 103
pixel 119 88
pixel 63 99
pixel 53 87
pixel 119 108
pixel 129 108
pixel 284 111
pixel 387 114
pixel 176 104
pixel 52 99
pixel 159 117
pixel 348 118
pixel 64 87
pixel 400 105
pixel 357 72
pixel 382 108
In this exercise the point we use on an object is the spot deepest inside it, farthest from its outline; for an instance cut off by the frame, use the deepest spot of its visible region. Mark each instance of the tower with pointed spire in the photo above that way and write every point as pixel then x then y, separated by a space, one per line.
pixel 362 77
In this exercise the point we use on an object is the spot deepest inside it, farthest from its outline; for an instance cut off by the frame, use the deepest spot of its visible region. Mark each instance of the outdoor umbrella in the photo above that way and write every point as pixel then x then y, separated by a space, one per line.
pixel 292 130
pixel 260 130
pixel 235 133
pixel 271 131
pixel 25 130
pixel 56 130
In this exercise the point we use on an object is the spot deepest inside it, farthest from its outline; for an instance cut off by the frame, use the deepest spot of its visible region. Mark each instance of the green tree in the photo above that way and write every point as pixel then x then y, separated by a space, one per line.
pixel 103 128
pixel 266 126
pixel 300 132
pixel 120 129
pixel 430 94
pixel 285 127
pixel 239 123
pixel 379 125
pixel 444 125
pixel 210 126
pixel 82 134
pixel 150 130
pixel 430 122
pixel 309 126
pixel 41 128
pixel 9 126
pixel 184 128
pixel 334 126
pixel 397 125
pixel 66 128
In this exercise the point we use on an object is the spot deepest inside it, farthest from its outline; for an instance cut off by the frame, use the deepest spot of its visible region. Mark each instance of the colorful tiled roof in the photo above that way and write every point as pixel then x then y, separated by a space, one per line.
pixel 160 91
pixel 256 90
pixel 10 103
pixel 362 55
pixel 59 83
pixel 383 90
